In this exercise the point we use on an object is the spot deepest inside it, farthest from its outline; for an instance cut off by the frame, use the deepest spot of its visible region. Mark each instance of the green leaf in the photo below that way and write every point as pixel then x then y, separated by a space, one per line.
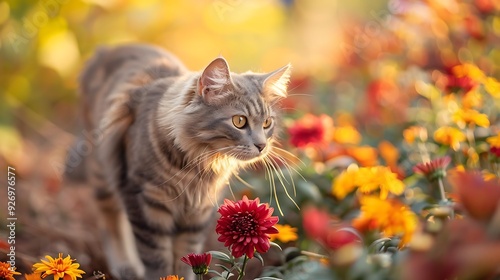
pixel 221 256
pixel 259 257
pixel 223 266
pixel 218 278
pixel 275 245
pixel 268 278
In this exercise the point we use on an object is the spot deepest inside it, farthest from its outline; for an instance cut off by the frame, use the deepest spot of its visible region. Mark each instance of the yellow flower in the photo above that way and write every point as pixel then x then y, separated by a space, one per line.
pixel 346 182
pixel 390 216
pixel 172 277
pixel 380 178
pixel 472 99
pixel 494 141
pixel 59 267
pixel 449 136
pixel 33 276
pixel 286 233
pixel 346 135
pixel 468 116
pixel 492 86
pixel 367 180
pixel 415 132
pixel 6 272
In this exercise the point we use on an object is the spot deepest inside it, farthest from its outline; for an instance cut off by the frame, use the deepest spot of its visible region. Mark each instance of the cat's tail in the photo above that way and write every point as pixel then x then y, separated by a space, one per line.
pixel 91 80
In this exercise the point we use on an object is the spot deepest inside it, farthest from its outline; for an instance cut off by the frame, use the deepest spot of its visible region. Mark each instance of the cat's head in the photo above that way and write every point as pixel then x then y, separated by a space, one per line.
pixel 235 115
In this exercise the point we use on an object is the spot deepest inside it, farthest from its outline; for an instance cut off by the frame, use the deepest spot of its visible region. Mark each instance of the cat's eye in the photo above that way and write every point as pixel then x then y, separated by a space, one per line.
pixel 268 122
pixel 239 121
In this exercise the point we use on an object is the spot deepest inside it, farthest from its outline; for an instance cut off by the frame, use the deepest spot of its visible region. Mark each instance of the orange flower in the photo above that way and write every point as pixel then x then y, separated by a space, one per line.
pixel 172 277
pixel 389 153
pixel 6 272
pixel 286 233
pixel 33 276
pixel 479 197
pixel 389 216
pixel 364 155
pixel 449 136
pixel 59 267
pixel 415 132
pixel 492 86
pixel 494 142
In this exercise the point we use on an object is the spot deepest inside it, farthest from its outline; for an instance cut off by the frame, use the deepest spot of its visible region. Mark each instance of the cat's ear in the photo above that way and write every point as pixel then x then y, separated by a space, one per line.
pixel 215 81
pixel 276 82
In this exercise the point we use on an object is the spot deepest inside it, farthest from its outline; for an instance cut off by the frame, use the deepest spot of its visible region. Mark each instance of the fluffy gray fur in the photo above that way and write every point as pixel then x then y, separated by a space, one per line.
pixel 166 146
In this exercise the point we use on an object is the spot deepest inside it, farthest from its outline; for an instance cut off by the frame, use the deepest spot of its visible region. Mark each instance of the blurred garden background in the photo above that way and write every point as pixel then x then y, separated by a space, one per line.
pixel 385 98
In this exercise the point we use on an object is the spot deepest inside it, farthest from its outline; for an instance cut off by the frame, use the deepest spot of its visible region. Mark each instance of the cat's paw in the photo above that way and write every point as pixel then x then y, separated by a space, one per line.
pixel 126 272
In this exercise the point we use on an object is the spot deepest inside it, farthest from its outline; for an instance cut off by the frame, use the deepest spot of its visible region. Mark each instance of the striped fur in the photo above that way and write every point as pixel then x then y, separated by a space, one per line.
pixel 166 148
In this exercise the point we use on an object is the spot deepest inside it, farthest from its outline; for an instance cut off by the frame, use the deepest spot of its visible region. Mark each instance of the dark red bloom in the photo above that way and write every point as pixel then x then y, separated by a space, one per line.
pixel 434 169
pixel 495 151
pixel 198 262
pixel 310 130
pixel 245 225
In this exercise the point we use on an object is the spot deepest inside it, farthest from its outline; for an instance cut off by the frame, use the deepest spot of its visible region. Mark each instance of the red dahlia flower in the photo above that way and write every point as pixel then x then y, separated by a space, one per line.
pixel 245 225
pixel 198 262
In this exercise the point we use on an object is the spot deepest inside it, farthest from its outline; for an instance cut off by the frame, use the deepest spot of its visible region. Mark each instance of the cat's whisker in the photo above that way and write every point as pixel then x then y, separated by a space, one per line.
pixel 281 176
pixel 288 169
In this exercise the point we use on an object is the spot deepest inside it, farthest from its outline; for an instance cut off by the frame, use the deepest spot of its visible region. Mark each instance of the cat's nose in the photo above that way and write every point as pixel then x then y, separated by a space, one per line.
pixel 260 147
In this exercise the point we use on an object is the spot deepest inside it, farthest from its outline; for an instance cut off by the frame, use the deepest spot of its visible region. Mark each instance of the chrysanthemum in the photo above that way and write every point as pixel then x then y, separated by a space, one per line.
pixel 172 277
pixel 198 262
pixel 286 233
pixel 245 226
pixel 6 272
pixel 449 136
pixel 390 216
pixel 434 169
pixel 59 267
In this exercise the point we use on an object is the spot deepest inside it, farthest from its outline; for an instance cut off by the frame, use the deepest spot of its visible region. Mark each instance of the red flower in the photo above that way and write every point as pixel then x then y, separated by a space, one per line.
pixel 315 222
pixel 198 262
pixel 317 225
pixel 245 225
pixel 434 169
pixel 311 130
pixel 479 197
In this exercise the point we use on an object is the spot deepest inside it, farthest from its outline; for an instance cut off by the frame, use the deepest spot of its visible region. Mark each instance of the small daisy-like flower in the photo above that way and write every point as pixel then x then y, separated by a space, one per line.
pixel 286 233
pixel 198 262
pixel 61 268
pixel 6 272
pixel 172 277
pixel 449 136
pixel 434 169
pixel 245 226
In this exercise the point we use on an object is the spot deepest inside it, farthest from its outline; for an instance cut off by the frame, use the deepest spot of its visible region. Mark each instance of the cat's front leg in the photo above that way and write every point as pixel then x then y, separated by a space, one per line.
pixel 187 243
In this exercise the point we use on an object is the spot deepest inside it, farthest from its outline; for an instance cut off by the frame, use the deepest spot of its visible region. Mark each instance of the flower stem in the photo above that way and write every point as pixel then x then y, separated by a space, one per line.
pixel 199 276
pixel 242 273
pixel 441 189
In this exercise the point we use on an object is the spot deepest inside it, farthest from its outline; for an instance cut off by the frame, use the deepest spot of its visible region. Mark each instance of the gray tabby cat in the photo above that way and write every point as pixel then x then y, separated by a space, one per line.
pixel 168 141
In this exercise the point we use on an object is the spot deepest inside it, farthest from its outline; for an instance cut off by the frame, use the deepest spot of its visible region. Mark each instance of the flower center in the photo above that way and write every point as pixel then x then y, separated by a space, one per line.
pixel 244 224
